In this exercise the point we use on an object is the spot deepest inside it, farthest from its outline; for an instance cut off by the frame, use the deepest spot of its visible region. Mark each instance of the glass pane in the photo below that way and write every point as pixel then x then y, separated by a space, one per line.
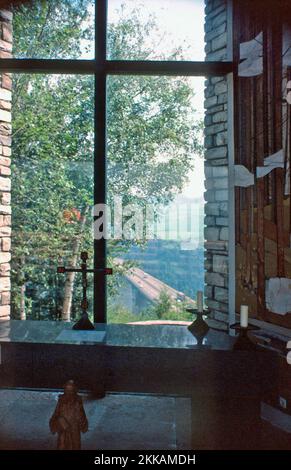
pixel 52 192
pixel 155 197
pixel 156 30
pixel 54 29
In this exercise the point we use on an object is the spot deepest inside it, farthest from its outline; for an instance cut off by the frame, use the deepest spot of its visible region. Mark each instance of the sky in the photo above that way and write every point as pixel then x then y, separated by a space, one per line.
pixel 181 23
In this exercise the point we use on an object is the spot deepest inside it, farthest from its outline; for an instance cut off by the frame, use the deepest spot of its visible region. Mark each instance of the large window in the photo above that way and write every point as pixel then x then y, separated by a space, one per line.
pixel 108 128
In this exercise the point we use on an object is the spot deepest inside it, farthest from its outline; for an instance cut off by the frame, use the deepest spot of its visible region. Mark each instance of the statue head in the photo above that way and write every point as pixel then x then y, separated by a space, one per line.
pixel 70 388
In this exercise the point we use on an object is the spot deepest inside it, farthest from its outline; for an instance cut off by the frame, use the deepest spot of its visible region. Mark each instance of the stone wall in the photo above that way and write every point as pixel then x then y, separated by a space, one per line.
pixel 5 160
pixel 216 164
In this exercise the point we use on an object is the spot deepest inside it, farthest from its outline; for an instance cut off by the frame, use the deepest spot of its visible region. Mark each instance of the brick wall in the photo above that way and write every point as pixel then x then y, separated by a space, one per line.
pixel 216 164
pixel 5 160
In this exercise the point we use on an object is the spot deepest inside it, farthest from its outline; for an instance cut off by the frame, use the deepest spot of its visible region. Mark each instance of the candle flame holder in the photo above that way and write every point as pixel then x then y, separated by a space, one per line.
pixel 243 341
pixel 199 327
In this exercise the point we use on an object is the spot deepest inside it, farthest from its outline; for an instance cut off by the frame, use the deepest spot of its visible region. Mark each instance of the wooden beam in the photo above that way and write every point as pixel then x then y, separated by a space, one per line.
pixel 116 67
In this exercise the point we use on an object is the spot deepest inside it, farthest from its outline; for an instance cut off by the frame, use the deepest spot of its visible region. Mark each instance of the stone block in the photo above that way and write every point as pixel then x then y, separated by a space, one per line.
pixel 5 141
pixel 5 105
pixel 5 115
pixel 221 195
pixel 220 294
pixel 6 244
pixel 208 291
pixel 212 101
pixel 221 138
pixel 5 45
pixel 5 257
pixel 5 127
pixel 220 264
pixel 6 81
pixel 5 231
pixel 217 55
pixel 5 184
pixel 219 117
pixel 5 55
pixel 5 269
pixel 6 15
pixel 222 98
pixel 220 183
pixel 5 94
pixel 211 130
pixel 5 161
pixel 221 221
pixel 6 151
pixel 5 171
pixel 216 152
pixel 7 32
pixel 212 208
pixel 209 195
pixel 209 220
pixel 214 279
pixel 5 284
pixel 212 304
pixel 220 87
pixel 219 245
pixel 5 298
pixel 6 210
pixel 211 233
pixel 220 171
pixel 208 141
pixel 223 234
pixel 220 17
pixel 220 41
pixel 4 311
pixel 5 198
pixel 215 32
pixel 219 162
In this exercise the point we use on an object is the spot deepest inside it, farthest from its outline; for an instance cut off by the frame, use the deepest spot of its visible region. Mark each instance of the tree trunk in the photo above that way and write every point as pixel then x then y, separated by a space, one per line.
pixel 22 302
pixel 70 277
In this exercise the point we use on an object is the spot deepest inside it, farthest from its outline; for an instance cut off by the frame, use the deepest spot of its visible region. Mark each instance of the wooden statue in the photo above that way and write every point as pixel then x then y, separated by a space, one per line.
pixel 69 419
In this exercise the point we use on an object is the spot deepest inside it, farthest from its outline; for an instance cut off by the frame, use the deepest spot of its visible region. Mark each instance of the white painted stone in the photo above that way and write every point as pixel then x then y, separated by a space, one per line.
pixel 243 177
pixel 252 48
pixel 252 52
pixel 251 67
pixel 275 160
pixel 278 295
pixel 5 94
pixel 5 115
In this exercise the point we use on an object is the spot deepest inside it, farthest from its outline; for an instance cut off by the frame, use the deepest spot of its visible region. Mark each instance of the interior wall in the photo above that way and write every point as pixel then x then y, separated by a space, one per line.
pixel 216 163
pixel 262 131
pixel 5 162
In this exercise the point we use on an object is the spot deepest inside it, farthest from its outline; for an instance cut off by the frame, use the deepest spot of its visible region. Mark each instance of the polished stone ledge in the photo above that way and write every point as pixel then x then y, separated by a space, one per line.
pixel 128 335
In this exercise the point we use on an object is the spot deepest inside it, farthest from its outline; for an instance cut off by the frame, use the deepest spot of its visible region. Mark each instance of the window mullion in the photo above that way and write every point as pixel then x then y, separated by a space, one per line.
pixel 100 155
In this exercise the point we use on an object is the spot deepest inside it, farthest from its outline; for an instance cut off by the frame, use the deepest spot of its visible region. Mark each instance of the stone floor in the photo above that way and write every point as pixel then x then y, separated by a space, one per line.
pixel 119 421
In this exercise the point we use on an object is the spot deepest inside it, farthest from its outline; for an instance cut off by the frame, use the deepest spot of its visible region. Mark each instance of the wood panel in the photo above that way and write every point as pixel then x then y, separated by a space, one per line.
pixel 262 128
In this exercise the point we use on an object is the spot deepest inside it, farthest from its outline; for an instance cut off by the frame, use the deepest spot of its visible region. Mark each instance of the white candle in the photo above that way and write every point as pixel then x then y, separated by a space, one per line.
pixel 244 316
pixel 200 301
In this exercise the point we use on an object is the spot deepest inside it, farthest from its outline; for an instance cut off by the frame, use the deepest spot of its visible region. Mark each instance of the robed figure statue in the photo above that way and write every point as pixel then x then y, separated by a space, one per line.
pixel 69 419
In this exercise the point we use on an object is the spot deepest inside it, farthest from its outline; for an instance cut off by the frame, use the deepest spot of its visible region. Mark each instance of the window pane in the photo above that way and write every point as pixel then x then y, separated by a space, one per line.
pixel 155 193
pixel 156 30
pixel 52 192
pixel 54 29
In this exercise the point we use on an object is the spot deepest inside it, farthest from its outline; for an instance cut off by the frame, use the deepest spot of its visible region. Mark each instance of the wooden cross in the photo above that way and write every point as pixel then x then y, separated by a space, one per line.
pixel 84 322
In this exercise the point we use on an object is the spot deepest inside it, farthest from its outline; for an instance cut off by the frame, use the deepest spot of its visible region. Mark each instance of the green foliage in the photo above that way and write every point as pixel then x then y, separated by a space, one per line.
pixel 152 139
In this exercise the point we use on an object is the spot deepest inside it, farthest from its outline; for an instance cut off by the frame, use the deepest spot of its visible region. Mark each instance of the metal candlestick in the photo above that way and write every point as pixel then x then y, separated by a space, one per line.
pixel 199 327
pixel 243 342
pixel 84 323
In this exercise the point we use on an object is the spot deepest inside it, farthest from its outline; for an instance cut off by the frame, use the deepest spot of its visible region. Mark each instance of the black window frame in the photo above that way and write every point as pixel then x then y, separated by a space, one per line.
pixel 101 67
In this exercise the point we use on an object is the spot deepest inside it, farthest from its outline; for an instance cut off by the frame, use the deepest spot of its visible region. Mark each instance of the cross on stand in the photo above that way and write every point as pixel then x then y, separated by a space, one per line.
pixel 84 322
